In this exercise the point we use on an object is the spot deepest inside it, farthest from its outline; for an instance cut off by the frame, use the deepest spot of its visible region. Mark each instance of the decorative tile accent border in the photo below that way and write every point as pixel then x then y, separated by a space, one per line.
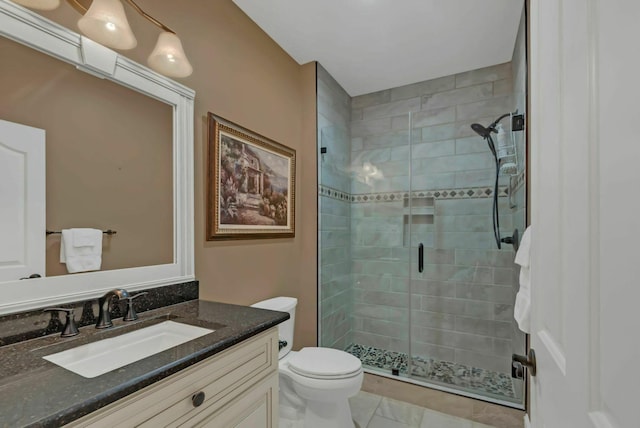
pixel 444 372
pixel 463 193
pixel 333 193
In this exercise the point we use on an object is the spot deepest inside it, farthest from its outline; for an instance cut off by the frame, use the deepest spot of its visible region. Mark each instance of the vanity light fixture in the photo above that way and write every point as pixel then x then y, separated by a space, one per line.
pixel 105 22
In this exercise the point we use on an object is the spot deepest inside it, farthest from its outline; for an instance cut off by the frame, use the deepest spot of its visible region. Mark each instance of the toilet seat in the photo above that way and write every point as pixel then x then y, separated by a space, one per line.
pixel 324 363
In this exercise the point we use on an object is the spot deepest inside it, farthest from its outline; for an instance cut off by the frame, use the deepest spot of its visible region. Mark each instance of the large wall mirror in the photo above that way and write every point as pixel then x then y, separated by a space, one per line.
pixel 109 157
pixel 119 154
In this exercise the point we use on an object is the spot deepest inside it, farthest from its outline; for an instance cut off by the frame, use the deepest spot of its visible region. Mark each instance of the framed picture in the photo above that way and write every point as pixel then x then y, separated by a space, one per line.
pixel 251 184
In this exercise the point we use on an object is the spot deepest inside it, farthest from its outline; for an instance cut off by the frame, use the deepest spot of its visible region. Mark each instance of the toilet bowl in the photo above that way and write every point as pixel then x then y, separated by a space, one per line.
pixel 315 382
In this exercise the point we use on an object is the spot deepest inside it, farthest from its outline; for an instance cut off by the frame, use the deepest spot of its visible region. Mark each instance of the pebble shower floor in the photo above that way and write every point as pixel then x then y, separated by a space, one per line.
pixel 476 379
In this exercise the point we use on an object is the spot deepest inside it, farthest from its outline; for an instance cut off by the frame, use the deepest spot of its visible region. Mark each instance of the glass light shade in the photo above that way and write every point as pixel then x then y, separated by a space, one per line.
pixel 39 4
pixel 106 23
pixel 168 57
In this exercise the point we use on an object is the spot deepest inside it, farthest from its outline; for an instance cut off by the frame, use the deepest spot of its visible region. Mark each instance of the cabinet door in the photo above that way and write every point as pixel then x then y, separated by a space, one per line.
pixel 256 408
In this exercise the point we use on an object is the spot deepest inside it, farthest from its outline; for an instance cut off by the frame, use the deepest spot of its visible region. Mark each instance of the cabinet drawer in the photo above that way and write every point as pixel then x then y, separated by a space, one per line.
pixel 221 378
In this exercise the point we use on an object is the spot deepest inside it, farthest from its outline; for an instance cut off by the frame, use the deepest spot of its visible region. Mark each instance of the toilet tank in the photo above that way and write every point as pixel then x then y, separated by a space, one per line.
pixel 285 329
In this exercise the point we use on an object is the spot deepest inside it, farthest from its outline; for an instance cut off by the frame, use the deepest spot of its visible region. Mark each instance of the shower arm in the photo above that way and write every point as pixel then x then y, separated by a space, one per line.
pixel 492 127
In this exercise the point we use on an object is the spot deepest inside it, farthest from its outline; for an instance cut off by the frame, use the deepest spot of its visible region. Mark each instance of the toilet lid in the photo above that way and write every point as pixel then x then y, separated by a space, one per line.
pixel 324 363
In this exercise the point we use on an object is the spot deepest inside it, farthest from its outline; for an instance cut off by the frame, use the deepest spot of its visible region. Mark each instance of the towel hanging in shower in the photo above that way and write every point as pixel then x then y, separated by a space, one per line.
pixel 522 309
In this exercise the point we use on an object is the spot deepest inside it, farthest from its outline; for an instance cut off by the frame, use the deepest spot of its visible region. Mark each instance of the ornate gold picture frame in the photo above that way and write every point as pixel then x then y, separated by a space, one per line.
pixel 251 184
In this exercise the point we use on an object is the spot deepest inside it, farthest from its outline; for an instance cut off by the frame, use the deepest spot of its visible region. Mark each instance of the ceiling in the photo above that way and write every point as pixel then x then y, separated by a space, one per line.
pixel 371 45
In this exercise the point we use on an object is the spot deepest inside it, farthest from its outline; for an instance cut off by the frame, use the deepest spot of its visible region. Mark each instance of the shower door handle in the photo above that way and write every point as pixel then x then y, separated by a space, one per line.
pixel 518 362
pixel 420 258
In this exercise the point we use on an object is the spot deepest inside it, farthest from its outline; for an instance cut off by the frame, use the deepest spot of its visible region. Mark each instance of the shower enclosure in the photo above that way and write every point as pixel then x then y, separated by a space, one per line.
pixel 411 280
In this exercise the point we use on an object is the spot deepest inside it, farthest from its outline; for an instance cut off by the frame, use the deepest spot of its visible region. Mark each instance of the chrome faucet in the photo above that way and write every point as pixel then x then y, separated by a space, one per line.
pixel 104 305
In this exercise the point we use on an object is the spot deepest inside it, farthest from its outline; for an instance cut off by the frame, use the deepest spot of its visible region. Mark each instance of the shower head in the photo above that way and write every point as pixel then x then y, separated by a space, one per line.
pixel 486 132
pixel 481 130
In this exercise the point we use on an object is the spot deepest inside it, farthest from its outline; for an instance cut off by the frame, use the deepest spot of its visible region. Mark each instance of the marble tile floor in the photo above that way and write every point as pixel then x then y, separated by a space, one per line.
pixel 467 408
pixel 474 379
pixel 374 411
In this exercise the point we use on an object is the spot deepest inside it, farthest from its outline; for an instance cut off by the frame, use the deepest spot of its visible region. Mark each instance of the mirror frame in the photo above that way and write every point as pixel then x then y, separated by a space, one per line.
pixel 28 28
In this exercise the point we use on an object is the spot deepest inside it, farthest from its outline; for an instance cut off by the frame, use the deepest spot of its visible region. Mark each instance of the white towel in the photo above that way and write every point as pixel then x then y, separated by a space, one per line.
pixel 81 249
pixel 522 309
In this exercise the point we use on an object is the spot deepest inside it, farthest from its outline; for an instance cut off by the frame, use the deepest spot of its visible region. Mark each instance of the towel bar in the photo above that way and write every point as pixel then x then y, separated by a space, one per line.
pixel 107 232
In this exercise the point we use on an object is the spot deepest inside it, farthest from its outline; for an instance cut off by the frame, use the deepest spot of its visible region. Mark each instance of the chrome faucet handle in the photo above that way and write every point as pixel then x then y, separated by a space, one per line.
pixel 70 329
pixel 104 306
pixel 130 313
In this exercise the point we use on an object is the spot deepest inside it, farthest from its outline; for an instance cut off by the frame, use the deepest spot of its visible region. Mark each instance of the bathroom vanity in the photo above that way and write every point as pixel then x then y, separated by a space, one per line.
pixel 236 388
pixel 225 378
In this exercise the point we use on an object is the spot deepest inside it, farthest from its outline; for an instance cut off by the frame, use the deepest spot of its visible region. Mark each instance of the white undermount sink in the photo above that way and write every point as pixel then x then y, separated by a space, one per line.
pixel 97 358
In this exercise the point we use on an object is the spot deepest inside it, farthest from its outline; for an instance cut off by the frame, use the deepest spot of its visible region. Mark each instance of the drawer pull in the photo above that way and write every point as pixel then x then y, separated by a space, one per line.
pixel 197 399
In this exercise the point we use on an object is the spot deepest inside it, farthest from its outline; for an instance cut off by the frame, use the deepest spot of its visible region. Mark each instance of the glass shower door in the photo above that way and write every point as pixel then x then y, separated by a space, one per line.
pixel 462 286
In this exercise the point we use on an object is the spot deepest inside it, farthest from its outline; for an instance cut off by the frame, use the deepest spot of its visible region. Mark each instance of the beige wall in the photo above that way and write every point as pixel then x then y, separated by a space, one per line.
pixel 242 75
pixel 108 156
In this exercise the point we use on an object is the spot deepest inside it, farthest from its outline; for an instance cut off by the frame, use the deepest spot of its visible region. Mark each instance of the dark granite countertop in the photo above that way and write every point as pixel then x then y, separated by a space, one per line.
pixel 37 393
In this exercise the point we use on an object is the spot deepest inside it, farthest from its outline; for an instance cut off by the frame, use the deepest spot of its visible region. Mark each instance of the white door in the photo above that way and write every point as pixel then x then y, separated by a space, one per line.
pixel 22 196
pixel 585 176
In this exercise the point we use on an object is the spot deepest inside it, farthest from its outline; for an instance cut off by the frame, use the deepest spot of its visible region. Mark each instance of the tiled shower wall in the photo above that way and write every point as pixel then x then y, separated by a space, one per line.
pixel 462 302
pixel 336 301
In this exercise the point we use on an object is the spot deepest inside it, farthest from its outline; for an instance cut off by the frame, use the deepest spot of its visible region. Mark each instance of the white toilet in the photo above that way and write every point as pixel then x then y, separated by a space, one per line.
pixel 315 383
